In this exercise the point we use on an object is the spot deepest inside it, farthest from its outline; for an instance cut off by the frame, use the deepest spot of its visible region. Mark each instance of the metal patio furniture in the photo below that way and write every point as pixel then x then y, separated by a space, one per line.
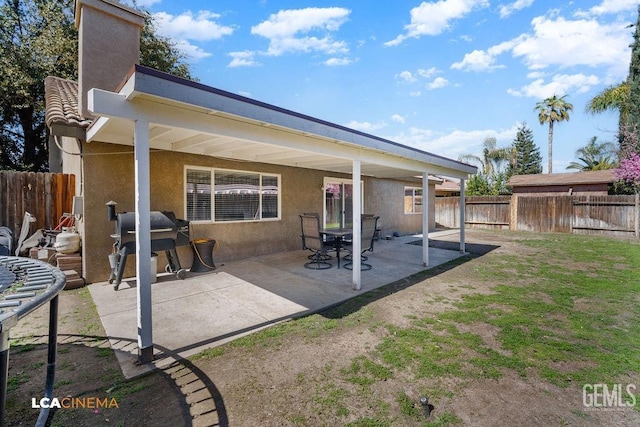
pixel 369 224
pixel 312 240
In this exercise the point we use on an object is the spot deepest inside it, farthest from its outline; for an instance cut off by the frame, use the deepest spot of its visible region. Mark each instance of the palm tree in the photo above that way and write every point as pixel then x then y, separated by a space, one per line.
pixel 612 98
pixel 492 157
pixel 553 110
pixel 595 156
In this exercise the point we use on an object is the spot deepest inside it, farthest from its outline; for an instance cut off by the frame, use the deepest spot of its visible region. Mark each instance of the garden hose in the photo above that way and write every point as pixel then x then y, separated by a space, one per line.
pixel 216 246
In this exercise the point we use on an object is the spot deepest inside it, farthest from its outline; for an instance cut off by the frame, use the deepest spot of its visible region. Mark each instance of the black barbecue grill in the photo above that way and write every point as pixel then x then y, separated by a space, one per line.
pixel 167 232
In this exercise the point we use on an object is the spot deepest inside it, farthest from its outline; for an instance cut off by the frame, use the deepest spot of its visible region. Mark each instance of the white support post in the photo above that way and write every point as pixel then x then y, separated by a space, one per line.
pixel 357 226
pixel 462 218
pixel 425 219
pixel 143 240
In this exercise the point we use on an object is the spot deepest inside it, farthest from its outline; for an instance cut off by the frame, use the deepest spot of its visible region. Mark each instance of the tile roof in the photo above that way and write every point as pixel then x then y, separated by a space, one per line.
pixel 588 177
pixel 61 100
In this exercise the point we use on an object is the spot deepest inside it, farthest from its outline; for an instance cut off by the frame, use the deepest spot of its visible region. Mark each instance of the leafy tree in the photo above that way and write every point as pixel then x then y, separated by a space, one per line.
pixel 478 185
pixel 491 178
pixel 551 110
pixel 34 43
pixel 595 156
pixel 628 132
pixel 633 104
pixel 37 39
pixel 527 158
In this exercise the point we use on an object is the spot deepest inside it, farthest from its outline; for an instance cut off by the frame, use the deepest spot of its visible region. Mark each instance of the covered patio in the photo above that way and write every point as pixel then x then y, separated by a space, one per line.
pixel 154 110
pixel 241 297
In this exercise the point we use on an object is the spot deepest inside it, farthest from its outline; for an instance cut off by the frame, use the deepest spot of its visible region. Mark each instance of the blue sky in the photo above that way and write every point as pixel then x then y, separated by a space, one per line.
pixel 440 75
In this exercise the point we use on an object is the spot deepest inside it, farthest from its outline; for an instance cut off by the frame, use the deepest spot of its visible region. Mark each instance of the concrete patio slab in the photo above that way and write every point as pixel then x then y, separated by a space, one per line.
pixel 240 297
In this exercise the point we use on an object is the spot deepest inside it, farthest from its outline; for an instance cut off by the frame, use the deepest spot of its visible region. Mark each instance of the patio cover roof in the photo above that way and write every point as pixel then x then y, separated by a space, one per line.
pixel 190 117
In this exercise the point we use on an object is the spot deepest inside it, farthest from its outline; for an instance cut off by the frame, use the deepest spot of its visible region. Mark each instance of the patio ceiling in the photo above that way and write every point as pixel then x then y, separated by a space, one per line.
pixel 188 117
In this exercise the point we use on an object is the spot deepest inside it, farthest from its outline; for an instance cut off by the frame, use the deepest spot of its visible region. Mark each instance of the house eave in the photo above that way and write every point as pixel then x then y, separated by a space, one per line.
pixel 146 86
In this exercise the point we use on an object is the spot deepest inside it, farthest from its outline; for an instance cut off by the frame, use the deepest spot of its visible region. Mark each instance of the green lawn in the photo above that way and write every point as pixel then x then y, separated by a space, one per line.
pixel 562 308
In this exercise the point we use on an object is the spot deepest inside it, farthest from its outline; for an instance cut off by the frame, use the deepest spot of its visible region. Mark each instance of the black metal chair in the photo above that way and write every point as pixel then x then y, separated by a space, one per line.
pixel 369 224
pixel 312 240
pixel 330 244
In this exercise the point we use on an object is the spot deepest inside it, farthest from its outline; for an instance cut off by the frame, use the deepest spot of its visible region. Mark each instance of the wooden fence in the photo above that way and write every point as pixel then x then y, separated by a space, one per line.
pixel 44 195
pixel 480 212
pixel 610 215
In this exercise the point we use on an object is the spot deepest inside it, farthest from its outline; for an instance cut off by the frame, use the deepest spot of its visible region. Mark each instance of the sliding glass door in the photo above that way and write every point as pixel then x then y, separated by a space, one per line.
pixel 338 203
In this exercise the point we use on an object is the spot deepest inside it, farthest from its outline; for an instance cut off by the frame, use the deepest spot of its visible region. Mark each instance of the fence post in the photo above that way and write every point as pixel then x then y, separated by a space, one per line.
pixel 637 212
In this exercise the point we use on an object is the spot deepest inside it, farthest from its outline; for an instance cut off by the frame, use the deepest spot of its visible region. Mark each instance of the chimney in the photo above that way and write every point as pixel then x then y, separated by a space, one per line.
pixel 108 45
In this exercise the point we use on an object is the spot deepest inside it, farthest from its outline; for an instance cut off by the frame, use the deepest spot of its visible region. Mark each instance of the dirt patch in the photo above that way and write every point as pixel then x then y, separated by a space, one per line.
pixel 86 370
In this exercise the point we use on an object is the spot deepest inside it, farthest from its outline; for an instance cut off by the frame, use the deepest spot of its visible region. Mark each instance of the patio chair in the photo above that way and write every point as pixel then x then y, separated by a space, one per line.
pixel 369 224
pixel 330 243
pixel 312 240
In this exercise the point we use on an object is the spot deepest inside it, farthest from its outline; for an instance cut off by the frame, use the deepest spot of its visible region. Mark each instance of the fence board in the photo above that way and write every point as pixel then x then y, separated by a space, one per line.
pixel 604 215
pixel 610 215
pixel 47 196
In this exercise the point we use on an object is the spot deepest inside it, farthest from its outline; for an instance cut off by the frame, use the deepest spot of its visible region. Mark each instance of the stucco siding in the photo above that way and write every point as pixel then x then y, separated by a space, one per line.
pixel 109 175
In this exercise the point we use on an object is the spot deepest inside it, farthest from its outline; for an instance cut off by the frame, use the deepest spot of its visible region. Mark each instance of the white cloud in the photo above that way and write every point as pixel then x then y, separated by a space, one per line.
pixel 287 30
pixel 407 76
pixel 561 84
pixel 568 43
pixel 427 74
pixel 336 62
pixel 480 60
pixel 186 26
pixel 432 18
pixel 398 118
pixel 410 77
pixel 415 94
pixel 611 6
pixel 366 126
pixel 517 5
pixel 437 83
pixel 456 142
pixel 243 59
pixel 562 43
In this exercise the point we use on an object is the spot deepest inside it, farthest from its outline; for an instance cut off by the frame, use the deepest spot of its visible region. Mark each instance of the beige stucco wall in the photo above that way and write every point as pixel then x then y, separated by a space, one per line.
pixel 385 197
pixel 108 174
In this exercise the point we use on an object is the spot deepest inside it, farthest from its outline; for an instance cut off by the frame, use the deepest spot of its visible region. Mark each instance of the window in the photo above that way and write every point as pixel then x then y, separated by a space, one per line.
pixel 237 195
pixel 412 200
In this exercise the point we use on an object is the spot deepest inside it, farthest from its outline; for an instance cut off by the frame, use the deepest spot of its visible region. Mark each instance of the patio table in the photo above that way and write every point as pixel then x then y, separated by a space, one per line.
pixel 338 234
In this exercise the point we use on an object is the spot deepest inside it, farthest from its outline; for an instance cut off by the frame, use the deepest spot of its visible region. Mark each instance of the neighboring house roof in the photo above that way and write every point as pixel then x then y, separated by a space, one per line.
pixel 577 178
pixel 448 185
pixel 61 97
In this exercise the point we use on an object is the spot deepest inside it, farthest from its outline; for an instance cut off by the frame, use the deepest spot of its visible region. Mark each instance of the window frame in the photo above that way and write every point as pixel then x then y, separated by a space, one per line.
pixel 212 172
pixel 413 200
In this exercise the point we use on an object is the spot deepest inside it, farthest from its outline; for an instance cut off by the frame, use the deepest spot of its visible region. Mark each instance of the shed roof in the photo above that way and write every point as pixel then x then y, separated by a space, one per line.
pixel 550 179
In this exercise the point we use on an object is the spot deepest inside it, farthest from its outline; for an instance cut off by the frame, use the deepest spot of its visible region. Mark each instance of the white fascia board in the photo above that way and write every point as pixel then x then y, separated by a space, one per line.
pixel 216 100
